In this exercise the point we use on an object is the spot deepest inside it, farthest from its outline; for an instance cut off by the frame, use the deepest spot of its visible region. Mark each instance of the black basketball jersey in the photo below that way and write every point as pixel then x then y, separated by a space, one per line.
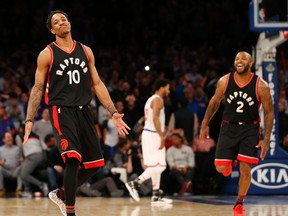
pixel 68 82
pixel 241 103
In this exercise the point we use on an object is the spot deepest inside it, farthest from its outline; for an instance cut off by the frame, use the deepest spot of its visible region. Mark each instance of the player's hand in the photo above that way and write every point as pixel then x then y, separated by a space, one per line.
pixel 264 145
pixel 120 124
pixel 204 134
pixel 162 145
pixel 28 129
pixel 59 168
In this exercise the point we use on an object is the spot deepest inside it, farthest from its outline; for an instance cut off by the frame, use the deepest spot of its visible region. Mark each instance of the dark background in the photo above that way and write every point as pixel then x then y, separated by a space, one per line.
pixel 221 25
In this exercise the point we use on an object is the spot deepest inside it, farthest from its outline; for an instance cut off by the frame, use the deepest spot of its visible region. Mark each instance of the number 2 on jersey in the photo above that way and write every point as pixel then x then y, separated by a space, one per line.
pixel 240 106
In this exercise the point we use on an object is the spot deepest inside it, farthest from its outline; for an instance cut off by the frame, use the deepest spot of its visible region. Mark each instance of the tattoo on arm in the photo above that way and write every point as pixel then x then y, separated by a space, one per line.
pixel 34 100
pixel 111 108
pixel 214 104
pixel 211 109
pixel 268 107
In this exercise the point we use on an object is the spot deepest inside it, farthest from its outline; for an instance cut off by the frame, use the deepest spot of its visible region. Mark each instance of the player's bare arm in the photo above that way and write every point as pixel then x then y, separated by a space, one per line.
pixel 196 126
pixel 156 105
pixel 213 106
pixel 267 104
pixel 104 97
pixel 36 94
pixel 98 86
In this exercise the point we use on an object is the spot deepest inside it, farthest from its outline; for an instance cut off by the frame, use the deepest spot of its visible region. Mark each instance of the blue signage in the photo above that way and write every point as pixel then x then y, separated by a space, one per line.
pixel 269 68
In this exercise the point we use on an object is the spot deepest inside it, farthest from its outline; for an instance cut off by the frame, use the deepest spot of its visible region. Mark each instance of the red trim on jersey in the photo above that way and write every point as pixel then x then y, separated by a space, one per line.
pixel 257 92
pixel 85 50
pixel 247 159
pixel 56 119
pixel 245 84
pixel 226 83
pixel 70 51
pixel 51 58
pixel 71 154
pixel 94 164
pixel 222 162
pixel 46 96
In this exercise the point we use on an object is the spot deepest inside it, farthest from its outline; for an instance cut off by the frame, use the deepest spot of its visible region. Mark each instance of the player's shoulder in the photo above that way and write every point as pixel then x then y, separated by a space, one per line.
pixel 263 88
pixel 223 79
pixel 156 100
pixel 86 47
pixel 156 97
pixel 45 54
pixel 87 50
pixel 262 84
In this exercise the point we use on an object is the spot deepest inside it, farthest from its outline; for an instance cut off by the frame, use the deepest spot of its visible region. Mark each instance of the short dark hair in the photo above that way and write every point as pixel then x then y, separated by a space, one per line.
pixel 48 137
pixel 48 21
pixel 160 83
pixel 122 142
pixel 178 135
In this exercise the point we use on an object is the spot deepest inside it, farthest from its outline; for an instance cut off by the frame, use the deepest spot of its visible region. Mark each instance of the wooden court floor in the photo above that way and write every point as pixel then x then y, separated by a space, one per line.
pixel 186 206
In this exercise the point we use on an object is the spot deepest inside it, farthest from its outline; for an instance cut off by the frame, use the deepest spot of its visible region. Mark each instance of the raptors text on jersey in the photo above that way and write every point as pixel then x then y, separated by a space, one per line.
pixel 68 82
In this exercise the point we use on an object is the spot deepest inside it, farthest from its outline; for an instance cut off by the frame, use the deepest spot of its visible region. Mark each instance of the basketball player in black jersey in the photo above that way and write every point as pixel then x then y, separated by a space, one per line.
pixel 241 92
pixel 67 68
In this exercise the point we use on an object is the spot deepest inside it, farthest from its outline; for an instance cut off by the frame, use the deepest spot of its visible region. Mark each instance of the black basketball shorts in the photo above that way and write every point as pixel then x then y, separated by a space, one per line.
pixel 76 135
pixel 237 142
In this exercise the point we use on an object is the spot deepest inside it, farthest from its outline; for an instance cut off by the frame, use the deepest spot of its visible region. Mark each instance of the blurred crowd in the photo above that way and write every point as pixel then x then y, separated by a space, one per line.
pixel 192 43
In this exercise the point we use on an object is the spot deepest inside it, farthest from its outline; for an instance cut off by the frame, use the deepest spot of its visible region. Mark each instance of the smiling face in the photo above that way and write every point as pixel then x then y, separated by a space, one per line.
pixel 243 62
pixel 60 25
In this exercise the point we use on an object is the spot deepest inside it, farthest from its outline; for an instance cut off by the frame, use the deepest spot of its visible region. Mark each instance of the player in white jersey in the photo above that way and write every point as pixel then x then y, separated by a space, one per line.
pixel 153 144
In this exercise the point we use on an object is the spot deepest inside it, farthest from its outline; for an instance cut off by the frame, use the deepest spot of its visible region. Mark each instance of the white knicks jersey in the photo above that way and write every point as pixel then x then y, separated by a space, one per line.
pixel 149 124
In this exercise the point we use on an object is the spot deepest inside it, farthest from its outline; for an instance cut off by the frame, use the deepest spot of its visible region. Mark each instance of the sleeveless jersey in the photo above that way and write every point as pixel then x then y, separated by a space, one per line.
pixel 149 124
pixel 68 82
pixel 241 103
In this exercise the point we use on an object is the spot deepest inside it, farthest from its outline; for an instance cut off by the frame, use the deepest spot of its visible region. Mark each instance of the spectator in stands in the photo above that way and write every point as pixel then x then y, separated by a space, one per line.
pixel 101 187
pixel 209 82
pixel 33 157
pixel 195 76
pixel 122 160
pixel 43 126
pixel 55 164
pixel 186 120
pixel 6 123
pixel 14 110
pixel 111 135
pixel 181 161
pixel 201 101
pixel 102 114
pixel 131 110
pixel 20 135
pixel 206 179
pixel 283 119
pixel 10 161
pixel 128 162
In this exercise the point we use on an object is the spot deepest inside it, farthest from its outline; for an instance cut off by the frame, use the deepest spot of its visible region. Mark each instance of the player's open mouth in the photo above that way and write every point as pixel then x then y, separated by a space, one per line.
pixel 239 66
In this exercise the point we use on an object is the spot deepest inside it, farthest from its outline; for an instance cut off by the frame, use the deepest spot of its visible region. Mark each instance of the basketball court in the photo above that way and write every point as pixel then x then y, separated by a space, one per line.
pixel 186 206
